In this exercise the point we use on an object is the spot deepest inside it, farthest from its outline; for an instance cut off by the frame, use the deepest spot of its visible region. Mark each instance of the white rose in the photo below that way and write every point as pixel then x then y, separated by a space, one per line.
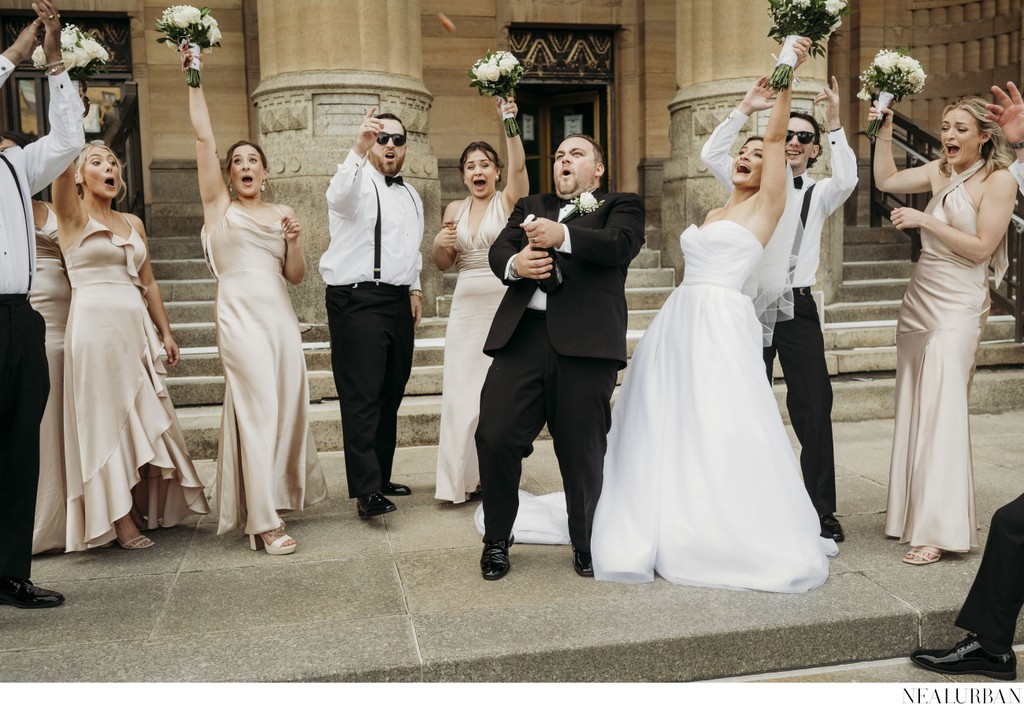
pixel 587 202
pixel 39 57
pixel 507 62
pixel 80 58
pixel 186 15
pixel 215 35
pixel 864 94
pixel 887 61
pixel 907 64
pixel 834 7
pixel 488 72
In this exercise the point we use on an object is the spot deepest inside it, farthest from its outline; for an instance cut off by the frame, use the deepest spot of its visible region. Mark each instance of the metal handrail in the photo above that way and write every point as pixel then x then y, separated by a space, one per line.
pixel 918 148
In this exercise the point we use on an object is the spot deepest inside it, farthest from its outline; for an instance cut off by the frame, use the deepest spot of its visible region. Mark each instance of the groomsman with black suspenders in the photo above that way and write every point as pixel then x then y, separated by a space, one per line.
pixel 372 270
pixel 799 342
pixel 24 375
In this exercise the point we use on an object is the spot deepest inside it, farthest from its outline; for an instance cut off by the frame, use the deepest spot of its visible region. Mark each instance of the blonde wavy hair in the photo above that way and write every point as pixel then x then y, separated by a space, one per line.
pixel 996 151
pixel 84 155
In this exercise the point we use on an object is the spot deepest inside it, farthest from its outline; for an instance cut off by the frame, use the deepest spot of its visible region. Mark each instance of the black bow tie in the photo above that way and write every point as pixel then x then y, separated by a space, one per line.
pixel 564 202
pixel 394 180
pixel 798 182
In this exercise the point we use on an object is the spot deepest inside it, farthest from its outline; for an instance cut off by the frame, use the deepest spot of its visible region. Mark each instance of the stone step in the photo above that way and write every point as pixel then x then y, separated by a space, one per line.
pixel 647 258
pixel 876 251
pixel 181 269
pixel 635 278
pixel 636 299
pixel 175 247
pixel 854 291
pixel 862 311
pixel 873 270
pixel 190 311
pixel 188 290
pixel 191 335
pixel 853 335
pixel 856 398
pixel 873 234
pixel 199 381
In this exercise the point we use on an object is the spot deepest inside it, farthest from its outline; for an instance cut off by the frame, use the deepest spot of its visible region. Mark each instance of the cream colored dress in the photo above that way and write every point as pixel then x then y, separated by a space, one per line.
pixel 267 460
pixel 122 438
pixel 931 477
pixel 51 298
pixel 478 293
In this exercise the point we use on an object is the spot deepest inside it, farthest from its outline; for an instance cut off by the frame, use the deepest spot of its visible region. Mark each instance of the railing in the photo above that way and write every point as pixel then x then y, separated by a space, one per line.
pixel 918 147
pixel 123 136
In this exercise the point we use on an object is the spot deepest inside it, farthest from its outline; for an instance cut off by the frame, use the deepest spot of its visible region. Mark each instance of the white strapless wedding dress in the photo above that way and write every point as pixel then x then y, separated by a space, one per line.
pixel 700 480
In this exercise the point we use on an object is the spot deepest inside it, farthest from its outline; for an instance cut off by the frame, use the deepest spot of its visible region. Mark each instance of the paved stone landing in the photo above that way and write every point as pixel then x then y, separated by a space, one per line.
pixel 400 598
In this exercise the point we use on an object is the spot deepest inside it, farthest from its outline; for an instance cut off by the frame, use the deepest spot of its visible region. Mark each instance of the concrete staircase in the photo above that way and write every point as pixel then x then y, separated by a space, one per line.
pixel 859 337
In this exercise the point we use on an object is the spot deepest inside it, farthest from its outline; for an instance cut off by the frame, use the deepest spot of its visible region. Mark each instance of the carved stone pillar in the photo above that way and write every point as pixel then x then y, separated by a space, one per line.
pixel 325 63
pixel 721 49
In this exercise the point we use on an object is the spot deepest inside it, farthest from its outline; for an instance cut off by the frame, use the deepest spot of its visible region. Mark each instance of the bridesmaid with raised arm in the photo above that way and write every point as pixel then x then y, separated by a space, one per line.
pixel 941 320
pixel 470 227
pixel 266 459
pixel 51 298
pixel 125 452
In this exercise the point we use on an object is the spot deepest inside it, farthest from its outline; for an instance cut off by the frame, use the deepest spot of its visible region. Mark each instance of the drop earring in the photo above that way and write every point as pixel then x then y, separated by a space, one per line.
pixel 263 186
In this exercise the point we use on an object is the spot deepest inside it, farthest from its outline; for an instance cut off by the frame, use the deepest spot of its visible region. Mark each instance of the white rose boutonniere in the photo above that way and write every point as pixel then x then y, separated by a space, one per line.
pixel 585 203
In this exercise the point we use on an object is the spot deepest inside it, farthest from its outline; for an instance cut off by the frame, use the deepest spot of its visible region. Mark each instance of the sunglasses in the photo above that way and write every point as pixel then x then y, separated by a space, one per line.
pixel 397 138
pixel 804 136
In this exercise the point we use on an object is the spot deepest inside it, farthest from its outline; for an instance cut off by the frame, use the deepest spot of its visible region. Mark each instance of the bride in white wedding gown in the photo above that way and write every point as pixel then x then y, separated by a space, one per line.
pixel 701 484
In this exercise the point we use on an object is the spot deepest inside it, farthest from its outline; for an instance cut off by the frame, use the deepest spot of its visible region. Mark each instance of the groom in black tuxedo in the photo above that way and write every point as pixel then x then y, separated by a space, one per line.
pixel 558 340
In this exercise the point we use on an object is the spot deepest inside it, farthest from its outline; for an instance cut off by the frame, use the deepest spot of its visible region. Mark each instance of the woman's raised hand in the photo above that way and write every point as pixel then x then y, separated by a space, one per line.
pixel 507 107
pixel 292 228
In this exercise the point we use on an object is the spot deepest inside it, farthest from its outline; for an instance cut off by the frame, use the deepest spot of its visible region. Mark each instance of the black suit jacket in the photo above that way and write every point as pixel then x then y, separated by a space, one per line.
pixel 586 317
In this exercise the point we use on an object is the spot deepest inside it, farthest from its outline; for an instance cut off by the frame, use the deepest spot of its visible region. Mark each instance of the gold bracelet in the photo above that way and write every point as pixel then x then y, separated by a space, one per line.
pixel 55 68
pixel 416 293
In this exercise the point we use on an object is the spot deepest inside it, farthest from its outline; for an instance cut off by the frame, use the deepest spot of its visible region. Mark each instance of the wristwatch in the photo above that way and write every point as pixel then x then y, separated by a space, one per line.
pixel 1017 146
pixel 417 293
pixel 512 270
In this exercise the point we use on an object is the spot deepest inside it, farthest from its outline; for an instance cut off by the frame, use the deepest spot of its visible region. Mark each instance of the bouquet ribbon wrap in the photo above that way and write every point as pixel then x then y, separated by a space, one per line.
pixel 191 63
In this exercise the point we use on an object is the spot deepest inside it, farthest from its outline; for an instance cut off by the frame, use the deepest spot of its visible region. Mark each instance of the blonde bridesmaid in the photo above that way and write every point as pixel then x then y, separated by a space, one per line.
pixel 941 320
pixel 127 463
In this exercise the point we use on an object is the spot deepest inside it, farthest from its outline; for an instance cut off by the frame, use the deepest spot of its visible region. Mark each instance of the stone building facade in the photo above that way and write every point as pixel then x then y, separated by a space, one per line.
pixel 650 78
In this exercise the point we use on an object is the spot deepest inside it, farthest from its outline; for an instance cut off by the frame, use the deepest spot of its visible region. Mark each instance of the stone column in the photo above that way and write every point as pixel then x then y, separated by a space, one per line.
pixel 324 63
pixel 722 47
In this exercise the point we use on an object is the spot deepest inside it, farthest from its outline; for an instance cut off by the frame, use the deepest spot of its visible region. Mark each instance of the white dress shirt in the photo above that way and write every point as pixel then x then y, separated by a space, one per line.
pixel 828 196
pixel 1017 170
pixel 352 215
pixel 37 165
pixel 539 301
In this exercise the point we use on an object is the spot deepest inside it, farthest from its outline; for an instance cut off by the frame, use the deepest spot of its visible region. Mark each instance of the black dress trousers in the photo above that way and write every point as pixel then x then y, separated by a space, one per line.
pixel 993 604
pixel 371 354
pixel 801 349
pixel 24 387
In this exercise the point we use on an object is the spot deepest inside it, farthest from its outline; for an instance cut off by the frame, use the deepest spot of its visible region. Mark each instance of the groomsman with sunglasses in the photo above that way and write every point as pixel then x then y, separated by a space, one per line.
pixel 374 302
pixel 799 342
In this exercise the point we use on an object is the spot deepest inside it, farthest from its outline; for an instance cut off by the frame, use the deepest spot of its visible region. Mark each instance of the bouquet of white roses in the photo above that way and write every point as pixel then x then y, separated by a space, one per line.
pixel 498 74
pixel 893 75
pixel 82 55
pixel 792 19
pixel 189 29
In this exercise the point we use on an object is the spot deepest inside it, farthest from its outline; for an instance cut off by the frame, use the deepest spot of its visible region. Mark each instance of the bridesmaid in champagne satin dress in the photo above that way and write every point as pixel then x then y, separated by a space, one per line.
pixel 941 320
pixel 267 461
pixel 470 227
pixel 127 463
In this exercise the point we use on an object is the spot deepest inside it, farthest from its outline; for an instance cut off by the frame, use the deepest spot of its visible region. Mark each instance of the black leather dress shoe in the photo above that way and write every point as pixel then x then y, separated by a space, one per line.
pixel 830 528
pixel 22 593
pixel 494 563
pixel 373 504
pixel 968 657
pixel 582 563
pixel 398 490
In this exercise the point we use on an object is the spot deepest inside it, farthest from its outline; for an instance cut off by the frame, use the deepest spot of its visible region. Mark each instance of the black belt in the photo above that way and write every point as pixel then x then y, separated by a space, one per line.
pixel 805 291
pixel 13 300
pixel 373 284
